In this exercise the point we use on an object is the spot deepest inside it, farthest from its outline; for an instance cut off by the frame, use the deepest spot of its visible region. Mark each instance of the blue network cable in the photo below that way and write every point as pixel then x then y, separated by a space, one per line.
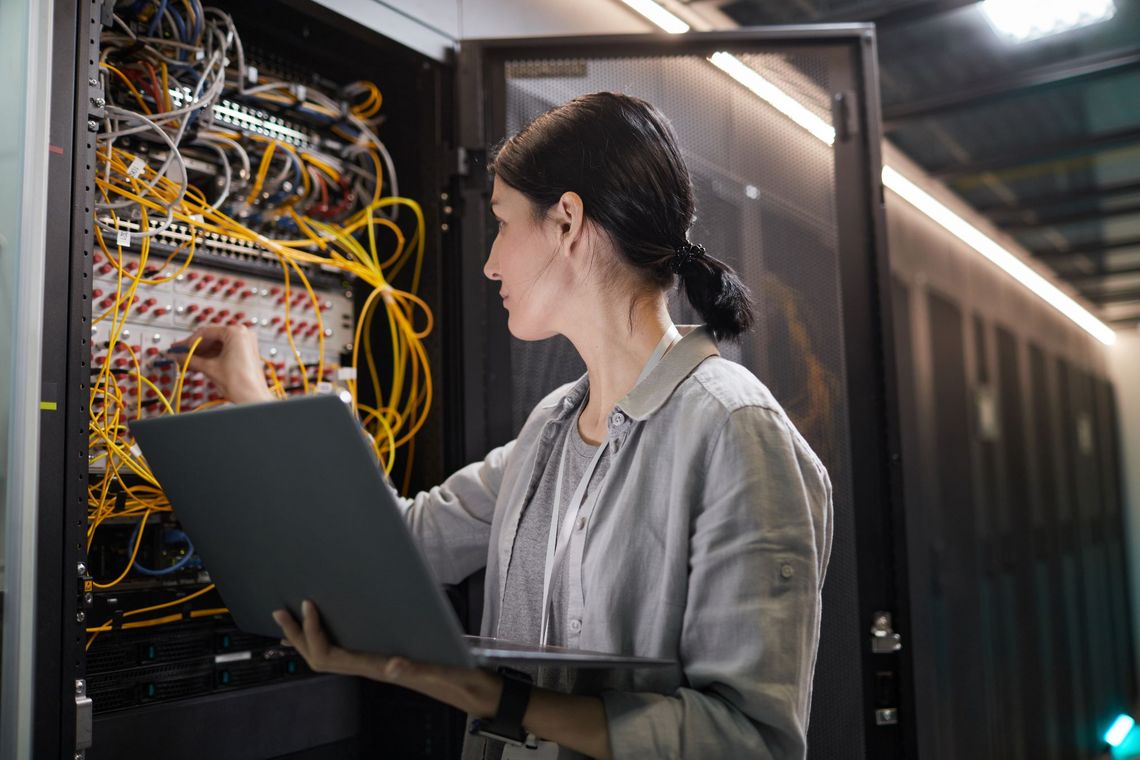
pixel 172 537
pixel 156 19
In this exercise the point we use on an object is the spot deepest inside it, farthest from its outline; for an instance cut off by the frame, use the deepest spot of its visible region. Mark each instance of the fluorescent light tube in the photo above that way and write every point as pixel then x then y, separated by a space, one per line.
pixel 658 15
pixel 980 242
pixel 773 95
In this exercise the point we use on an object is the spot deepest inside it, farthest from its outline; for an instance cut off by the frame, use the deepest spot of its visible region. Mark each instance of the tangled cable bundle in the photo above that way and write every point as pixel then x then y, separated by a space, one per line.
pixel 299 177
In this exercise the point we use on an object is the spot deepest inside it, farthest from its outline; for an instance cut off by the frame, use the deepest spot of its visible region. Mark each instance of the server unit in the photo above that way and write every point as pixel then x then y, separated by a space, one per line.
pixel 277 208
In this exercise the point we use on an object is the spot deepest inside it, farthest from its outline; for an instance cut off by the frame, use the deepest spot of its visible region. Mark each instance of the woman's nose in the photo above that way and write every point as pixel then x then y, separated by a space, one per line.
pixel 491 266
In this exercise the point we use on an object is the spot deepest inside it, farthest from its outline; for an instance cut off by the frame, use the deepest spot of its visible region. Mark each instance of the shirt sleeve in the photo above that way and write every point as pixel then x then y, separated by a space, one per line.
pixel 759 543
pixel 451 523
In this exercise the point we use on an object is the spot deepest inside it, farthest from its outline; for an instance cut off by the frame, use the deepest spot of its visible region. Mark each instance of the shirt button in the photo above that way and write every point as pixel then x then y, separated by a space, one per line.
pixel 581 523
pixel 575 625
pixel 786 571
pixel 617 419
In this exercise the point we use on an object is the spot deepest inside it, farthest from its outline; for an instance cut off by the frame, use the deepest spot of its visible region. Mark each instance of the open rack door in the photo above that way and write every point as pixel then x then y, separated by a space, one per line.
pixel 780 129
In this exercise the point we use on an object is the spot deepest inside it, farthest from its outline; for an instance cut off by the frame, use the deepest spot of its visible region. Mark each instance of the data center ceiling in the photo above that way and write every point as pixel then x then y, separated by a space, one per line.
pixel 1042 137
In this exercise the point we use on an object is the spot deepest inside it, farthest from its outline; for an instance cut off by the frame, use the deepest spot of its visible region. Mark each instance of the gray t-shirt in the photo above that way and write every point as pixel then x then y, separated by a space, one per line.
pixel 522 612
pixel 521 619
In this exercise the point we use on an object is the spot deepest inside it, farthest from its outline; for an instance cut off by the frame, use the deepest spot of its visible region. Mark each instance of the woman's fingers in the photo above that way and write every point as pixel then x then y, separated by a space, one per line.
pixel 208 344
pixel 211 339
pixel 293 633
pixel 315 636
pixel 229 356
pixel 456 686
pixel 311 641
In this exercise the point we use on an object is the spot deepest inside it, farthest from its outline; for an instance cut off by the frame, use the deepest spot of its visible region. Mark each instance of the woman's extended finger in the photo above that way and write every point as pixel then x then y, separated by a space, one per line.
pixel 293 632
pixel 315 636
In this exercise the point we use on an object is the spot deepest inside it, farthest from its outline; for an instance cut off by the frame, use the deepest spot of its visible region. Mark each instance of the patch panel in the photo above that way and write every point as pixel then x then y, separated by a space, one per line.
pixel 237 115
pixel 169 305
pixel 222 251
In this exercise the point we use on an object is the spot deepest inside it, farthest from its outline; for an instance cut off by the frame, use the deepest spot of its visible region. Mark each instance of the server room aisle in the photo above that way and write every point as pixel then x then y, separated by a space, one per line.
pixel 935 206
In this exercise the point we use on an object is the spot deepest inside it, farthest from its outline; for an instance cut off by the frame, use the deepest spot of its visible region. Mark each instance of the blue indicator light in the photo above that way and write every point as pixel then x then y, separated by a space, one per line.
pixel 1120 728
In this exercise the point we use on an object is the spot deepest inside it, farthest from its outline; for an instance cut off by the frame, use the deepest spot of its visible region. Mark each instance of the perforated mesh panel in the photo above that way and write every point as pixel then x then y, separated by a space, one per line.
pixel 765 204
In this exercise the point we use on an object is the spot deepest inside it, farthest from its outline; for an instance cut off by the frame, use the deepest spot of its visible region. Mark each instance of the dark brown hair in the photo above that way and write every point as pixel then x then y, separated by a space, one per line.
pixel 620 155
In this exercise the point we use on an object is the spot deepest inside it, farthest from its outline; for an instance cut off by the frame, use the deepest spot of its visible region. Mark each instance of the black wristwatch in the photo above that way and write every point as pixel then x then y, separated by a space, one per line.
pixel 507 726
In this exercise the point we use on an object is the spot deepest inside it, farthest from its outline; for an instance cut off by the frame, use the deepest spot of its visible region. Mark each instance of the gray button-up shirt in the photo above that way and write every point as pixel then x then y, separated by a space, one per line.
pixel 707 542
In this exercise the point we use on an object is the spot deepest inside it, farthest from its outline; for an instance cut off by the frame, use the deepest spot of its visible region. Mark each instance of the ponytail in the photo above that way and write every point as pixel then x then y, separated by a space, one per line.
pixel 715 291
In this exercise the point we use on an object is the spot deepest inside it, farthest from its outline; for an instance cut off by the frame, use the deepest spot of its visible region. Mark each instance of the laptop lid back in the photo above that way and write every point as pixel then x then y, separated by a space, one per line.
pixel 285 501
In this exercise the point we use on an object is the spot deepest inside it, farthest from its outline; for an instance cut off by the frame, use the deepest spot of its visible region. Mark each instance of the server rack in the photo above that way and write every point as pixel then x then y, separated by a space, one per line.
pixel 1019 594
pixel 865 597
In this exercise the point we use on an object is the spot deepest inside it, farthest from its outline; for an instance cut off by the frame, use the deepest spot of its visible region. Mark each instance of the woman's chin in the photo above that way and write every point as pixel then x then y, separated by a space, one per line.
pixel 520 329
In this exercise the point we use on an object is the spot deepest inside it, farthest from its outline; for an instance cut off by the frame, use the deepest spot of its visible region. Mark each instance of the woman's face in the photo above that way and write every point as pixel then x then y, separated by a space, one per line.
pixel 524 261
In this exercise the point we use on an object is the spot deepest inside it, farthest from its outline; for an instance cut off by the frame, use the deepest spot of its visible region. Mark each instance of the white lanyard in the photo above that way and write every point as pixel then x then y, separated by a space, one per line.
pixel 558 540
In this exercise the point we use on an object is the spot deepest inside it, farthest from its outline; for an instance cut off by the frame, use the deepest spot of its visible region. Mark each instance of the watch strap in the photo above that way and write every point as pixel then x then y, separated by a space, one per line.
pixel 506 725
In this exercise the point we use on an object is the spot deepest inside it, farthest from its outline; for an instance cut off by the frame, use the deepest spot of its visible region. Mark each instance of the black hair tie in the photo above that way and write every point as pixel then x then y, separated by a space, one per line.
pixel 685 254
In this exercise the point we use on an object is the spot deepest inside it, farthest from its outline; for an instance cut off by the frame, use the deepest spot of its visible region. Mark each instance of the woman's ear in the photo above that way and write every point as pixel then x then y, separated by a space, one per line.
pixel 569 215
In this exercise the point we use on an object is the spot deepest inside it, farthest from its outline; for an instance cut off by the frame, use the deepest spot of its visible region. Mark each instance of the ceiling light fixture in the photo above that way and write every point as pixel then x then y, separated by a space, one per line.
pixel 1023 20
pixel 983 244
pixel 658 15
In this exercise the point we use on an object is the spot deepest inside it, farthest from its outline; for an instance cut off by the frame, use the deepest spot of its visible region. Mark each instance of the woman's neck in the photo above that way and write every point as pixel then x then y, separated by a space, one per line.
pixel 615 353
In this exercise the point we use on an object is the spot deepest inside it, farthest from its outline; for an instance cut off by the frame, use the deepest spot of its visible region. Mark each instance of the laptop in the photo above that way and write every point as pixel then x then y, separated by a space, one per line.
pixel 285 501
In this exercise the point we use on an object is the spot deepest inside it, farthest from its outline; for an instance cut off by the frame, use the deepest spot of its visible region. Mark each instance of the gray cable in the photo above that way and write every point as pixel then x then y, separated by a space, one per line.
pixel 175 155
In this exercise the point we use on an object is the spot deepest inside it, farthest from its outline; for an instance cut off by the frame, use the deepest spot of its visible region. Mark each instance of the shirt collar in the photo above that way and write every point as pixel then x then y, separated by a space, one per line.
pixel 696 345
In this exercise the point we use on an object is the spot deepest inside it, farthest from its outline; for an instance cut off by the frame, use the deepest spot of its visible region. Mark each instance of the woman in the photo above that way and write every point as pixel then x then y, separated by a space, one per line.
pixel 699 520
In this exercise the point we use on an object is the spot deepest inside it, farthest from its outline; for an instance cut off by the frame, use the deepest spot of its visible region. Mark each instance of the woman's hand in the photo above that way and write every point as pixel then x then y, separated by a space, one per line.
pixel 472 690
pixel 228 355
pixel 575 722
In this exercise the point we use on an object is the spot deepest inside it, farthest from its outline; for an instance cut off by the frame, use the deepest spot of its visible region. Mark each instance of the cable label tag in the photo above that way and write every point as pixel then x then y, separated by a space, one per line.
pixel 135 170
pixel 136 451
pixel 123 239
pixel 346 373
pixel 324 387
pixel 251 74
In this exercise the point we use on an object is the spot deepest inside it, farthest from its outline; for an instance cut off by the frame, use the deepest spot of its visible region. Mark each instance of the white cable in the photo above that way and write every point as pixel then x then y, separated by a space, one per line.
pixel 242 155
pixel 225 165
